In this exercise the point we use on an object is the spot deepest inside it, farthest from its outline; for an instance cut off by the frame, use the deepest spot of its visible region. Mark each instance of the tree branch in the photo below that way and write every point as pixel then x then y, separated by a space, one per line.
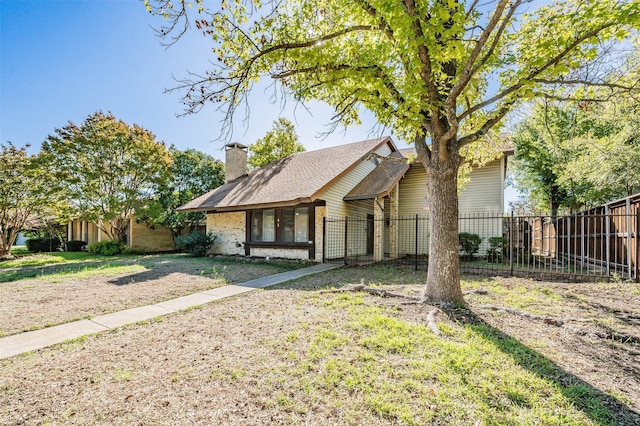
pixel 536 72
pixel 469 69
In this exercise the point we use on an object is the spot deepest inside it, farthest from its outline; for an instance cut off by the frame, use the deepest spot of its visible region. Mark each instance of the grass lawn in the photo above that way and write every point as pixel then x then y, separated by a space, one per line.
pixel 41 290
pixel 293 354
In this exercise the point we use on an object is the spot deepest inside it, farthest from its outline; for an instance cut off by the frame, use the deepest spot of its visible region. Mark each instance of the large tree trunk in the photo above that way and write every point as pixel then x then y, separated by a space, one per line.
pixel 443 276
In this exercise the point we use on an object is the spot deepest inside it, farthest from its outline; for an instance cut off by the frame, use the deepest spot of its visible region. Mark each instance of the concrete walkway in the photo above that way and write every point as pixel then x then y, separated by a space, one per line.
pixel 33 340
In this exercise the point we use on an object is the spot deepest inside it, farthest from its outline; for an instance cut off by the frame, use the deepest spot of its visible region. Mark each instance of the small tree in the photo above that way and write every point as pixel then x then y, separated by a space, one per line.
pixel 541 151
pixel 107 169
pixel 608 165
pixel 24 192
pixel 575 155
pixel 281 141
pixel 192 174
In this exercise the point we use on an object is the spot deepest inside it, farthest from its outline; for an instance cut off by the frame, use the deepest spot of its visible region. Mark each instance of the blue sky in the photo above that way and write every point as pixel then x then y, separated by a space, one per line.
pixel 65 59
pixel 62 60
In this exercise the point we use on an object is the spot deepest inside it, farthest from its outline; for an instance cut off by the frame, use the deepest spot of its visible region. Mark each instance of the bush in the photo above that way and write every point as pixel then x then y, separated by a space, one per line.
pixel 75 245
pixel 497 250
pixel 43 244
pixel 106 248
pixel 469 244
pixel 197 244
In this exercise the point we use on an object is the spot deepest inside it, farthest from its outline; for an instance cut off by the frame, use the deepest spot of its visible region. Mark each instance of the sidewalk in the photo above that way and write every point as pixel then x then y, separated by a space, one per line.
pixel 33 340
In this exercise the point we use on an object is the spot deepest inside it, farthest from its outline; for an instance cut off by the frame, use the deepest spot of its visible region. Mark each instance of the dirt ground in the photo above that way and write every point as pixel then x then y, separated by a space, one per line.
pixel 215 364
pixel 53 298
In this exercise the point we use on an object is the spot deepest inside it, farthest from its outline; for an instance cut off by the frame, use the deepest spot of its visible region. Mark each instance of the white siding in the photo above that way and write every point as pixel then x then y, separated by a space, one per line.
pixel 482 196
pixel 483 192
pixel 481 203
pixel 413 192
pixel 336 207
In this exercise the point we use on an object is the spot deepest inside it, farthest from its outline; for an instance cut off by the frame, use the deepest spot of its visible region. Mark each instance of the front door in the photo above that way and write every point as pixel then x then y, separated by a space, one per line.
pixel 369 234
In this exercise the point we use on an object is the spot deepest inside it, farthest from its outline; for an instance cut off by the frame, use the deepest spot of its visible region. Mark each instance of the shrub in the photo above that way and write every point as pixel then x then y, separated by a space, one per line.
pixel 497 249
pixel 197 243
pixel 43 244
pixel 469 244
pixel 75 245
pixel 106 248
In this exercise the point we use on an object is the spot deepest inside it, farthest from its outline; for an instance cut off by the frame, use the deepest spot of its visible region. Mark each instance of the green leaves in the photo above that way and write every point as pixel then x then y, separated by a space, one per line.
pixel 280 142
pixel 106 168
pixel 425 68
pixel 192 174
pixel 25 193
pixel 576 155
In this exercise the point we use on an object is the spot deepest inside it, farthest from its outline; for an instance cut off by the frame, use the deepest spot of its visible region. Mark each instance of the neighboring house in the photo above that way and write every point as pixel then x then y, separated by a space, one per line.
pixel 139 235
pixel 278 210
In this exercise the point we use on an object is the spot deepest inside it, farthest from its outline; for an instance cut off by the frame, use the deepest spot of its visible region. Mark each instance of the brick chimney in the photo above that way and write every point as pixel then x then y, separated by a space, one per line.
pixel 235 162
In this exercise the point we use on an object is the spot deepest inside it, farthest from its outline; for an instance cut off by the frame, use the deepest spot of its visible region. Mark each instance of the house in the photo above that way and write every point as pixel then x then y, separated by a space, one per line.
pixel 139 235
pixel 282 210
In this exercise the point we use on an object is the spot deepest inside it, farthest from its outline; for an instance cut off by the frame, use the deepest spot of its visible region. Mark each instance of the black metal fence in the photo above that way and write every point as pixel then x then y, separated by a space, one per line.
pixel 582 246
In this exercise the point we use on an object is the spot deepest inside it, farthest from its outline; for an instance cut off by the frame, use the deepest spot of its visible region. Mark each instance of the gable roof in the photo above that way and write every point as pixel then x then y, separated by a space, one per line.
pixel 381 180
pixel 300 178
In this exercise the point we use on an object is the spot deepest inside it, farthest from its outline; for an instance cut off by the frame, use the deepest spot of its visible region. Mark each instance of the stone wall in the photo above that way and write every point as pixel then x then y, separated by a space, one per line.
pixel 321 213
pixel 229 229
pixel 300 254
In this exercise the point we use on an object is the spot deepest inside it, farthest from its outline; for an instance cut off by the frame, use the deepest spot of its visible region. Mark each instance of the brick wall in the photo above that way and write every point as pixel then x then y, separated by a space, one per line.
pixel 229 229
pixel 152 240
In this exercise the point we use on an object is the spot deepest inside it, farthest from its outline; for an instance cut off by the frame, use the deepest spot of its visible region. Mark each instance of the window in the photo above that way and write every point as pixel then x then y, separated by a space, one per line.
pixel 288 225
pixel 263 225
pixel 295 225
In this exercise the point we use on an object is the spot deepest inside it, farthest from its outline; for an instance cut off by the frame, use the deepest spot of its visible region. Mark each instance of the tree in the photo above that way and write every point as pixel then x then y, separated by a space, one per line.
pixel 542 150
pixel 192 174
pixel 440 73
pixel 576 155
pixel 608 165
pixel 24 193
pixel 281 141
pixel 107 169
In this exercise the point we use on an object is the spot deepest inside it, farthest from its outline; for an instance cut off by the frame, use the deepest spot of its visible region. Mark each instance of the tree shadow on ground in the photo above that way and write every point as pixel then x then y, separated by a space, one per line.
pixel 142 276
pixel 156 265
pixel 226 270
pixel 599 406
pixel 27 272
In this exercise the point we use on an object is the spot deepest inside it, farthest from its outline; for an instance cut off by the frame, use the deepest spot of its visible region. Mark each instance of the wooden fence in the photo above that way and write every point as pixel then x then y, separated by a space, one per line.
pixel 605 238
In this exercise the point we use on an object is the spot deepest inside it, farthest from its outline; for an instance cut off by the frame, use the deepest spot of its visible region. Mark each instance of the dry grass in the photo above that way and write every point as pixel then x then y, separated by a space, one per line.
pixel 293 355
pixel 96 285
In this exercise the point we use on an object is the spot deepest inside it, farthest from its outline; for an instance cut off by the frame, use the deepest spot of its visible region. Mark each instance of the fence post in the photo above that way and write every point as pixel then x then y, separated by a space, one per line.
pixel 568 243
pixel 416 245
pixel 607 244
pixel 637 243
pixel 629 241
pixel 582 246
pixel 324 239
pixel 511 244
pixel 346 240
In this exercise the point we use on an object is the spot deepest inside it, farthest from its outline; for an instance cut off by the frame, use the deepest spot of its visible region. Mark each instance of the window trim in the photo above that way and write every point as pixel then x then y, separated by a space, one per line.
pixel 278 243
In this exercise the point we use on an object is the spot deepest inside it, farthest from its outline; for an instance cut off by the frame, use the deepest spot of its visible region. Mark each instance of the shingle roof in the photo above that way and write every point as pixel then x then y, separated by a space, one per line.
pixel 381 180
pixel 292 180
